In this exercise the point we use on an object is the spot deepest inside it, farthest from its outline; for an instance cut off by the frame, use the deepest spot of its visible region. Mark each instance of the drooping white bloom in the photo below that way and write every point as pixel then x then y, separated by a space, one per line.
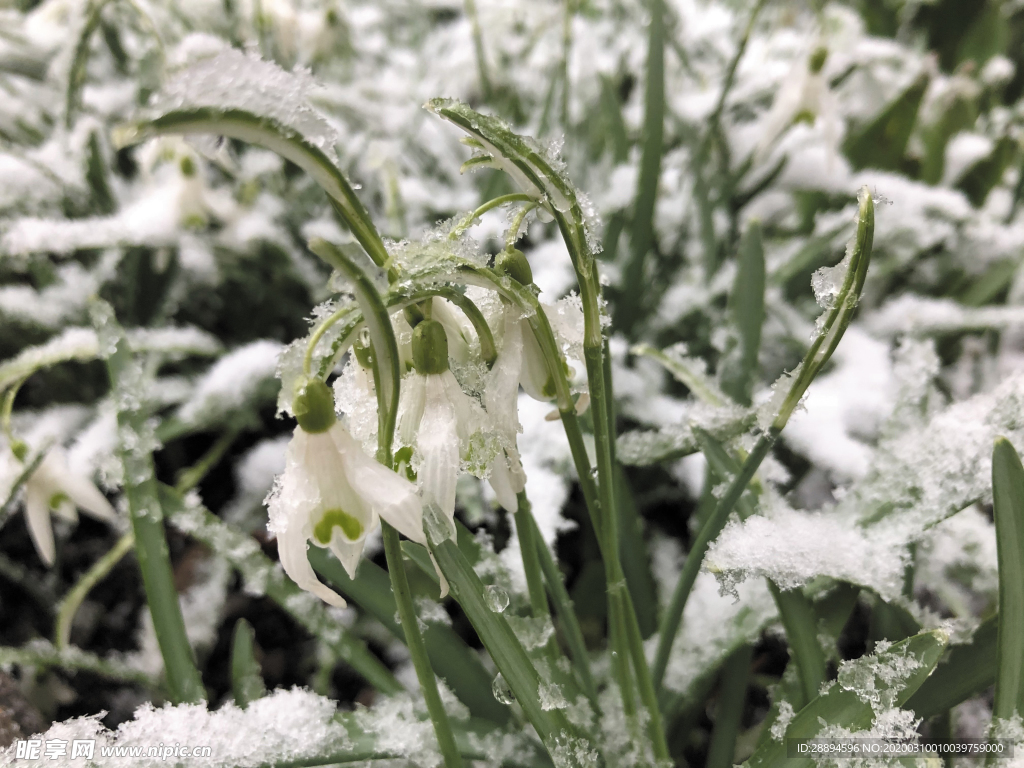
pixel 53 486
pixel 804 95
pixel 501 399
pixel 440 421
pixel 332 493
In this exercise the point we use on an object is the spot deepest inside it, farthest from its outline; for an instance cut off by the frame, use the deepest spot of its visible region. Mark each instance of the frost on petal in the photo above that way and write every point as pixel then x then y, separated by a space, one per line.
pixel 438 446
pixel 501 395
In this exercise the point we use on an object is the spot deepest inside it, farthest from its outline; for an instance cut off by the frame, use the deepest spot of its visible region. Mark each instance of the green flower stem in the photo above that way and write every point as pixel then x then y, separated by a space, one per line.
pixel 526 532
pixel 7 407
pixel 387 373
pixel 695 557
pixel 565 611
pixel 184 682
pixel 73 600
pixel 497 202
pixel 517 222
pixel 340 314
pixel 190 477
pixel 417 649
pixel 836 320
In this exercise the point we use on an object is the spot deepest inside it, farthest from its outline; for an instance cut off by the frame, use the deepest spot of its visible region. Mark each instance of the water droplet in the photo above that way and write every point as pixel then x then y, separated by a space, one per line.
pixel 364 337
pixel 497 598
pixel 501 691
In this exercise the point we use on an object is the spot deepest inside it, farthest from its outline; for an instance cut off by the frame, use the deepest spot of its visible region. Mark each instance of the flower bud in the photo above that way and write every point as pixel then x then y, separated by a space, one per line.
pixel 513 263
pixel 430 348
pixel 314 407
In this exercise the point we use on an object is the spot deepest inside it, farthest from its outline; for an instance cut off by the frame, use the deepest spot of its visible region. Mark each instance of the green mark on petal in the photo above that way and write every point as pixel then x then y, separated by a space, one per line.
pixel 57 499
pixel 350 526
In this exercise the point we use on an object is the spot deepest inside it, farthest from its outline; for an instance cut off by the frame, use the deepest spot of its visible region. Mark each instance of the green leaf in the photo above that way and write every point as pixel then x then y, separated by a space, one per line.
pixel 732 696
pixel 1008 511
pixel 642 236
pixel 882 143
pixel 985 174
pixel 246 677
pixel 511 660
pixel 451 658
pixel 636 562
pixel 965 671
pixel 126 379
pixel 746 310
pixel 842 707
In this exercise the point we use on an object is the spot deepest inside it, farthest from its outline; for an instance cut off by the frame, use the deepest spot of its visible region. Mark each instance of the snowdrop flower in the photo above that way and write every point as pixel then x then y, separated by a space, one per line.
pixel 332 493
pixel 438 418
pixel 566 322
pixel 53 486
pixel 501 399
pixel 804 95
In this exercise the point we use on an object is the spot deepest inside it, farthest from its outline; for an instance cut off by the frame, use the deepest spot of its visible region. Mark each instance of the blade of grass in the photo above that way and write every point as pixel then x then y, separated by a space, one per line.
pixel 184 682
pixel 966 671
pixel 732 695
pixel 842 707
pixel 246 677
pixel 642 238
pixel 1008 510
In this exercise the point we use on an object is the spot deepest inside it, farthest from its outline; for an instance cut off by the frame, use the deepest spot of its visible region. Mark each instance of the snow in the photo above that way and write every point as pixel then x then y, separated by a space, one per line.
pixel 231 79
pixel 232 382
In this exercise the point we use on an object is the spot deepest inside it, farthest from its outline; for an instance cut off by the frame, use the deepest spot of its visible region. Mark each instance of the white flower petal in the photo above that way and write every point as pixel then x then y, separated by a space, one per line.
pixel 348 553
pixel 385 492
pixel 501 481
pixel 501 395
pixel 291 549
pixel 438 444
pixel 410 411
pixel 535 375
pixel 88 498
pixel 37 516
pixel 324 462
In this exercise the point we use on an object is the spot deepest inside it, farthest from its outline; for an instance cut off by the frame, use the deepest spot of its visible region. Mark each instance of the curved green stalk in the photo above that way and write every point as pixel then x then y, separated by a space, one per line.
pixel 270 134
pixel 76 596
pixel 497 202
pixel 382 335
pixel 528 546
pixel 837 319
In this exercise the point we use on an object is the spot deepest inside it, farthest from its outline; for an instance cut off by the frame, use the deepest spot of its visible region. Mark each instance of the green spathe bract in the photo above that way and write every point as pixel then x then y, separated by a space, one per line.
pixel 314 407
